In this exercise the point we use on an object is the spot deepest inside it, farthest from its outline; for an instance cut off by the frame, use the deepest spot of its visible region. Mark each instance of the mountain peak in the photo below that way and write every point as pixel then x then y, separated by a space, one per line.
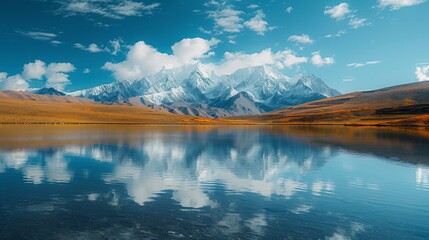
pixel 314 84
pixel 201 70
pixel 181 73
pixel 262 71
pixel 308 79
pixel 49 91
pixel 302 77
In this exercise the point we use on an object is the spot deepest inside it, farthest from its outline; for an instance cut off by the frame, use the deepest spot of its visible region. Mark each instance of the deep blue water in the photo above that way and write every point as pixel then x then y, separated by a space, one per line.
pixel 130 182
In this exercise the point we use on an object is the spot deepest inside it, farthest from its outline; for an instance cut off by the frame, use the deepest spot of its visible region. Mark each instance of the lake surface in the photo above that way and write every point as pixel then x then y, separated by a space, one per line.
pixel 134 182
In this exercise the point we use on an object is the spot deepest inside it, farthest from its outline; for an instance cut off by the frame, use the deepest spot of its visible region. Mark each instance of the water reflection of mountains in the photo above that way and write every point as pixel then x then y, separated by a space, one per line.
pixel 248 152
pixel 232 145
pixel 185 162
pixel 236 178
pixel 405 145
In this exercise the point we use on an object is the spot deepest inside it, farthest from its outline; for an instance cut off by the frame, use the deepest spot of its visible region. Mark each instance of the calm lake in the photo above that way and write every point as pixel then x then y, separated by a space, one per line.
pixel 153 182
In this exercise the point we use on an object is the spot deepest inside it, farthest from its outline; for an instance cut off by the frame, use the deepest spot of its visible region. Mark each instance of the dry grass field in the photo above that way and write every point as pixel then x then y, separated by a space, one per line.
pixel 20 107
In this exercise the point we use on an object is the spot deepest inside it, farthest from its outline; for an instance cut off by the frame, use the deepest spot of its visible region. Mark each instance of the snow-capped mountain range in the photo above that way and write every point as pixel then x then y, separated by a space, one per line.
pixel 195 90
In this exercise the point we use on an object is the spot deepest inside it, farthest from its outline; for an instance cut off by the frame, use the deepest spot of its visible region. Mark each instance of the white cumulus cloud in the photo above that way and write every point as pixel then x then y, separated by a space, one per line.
pixel 289 59
pixel 303 39
pixel 343 11
pixel 358 22
pixel 92 48
pixel 143 59
pixel 397 4
pixel 56 75
pixel 228 20
pixel 252 6
pixel 422 73
pixel 339 11
pixel 257 23
pixel 190 49
pixel 235 61
pixel 34 70
pixel 319 61
pixel 16 82
pixel 116 45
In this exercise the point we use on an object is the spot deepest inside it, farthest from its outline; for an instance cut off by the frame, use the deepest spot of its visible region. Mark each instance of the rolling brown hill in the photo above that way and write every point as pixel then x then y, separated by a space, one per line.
pixel 23 107
pixel 404 105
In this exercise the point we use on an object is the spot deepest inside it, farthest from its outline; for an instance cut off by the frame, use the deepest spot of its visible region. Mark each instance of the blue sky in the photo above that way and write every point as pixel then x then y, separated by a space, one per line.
pixel 351 45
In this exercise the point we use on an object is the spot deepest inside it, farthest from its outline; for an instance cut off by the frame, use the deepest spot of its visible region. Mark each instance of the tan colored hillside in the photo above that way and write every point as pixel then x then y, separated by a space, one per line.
pixel 21 107
pixel 405 105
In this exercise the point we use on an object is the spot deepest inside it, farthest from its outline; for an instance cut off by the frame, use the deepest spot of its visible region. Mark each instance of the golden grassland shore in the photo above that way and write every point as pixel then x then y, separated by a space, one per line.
pixel 406 105
pixel 27 108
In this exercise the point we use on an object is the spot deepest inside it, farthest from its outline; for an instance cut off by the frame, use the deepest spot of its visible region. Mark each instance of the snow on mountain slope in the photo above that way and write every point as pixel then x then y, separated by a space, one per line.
pixel 311 83
pixel 253 74
pixel 182 73
pixel 171 96
pixel 114 92
pixel 201 92
pixel 262 81
pixel 242 103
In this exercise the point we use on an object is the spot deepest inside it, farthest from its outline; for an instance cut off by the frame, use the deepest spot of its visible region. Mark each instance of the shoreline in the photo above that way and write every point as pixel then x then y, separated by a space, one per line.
pixel 218 124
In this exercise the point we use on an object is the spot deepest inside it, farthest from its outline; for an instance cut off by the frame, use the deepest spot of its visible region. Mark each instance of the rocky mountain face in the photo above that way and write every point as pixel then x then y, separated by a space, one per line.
pixel 194 90
pixel 49 91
